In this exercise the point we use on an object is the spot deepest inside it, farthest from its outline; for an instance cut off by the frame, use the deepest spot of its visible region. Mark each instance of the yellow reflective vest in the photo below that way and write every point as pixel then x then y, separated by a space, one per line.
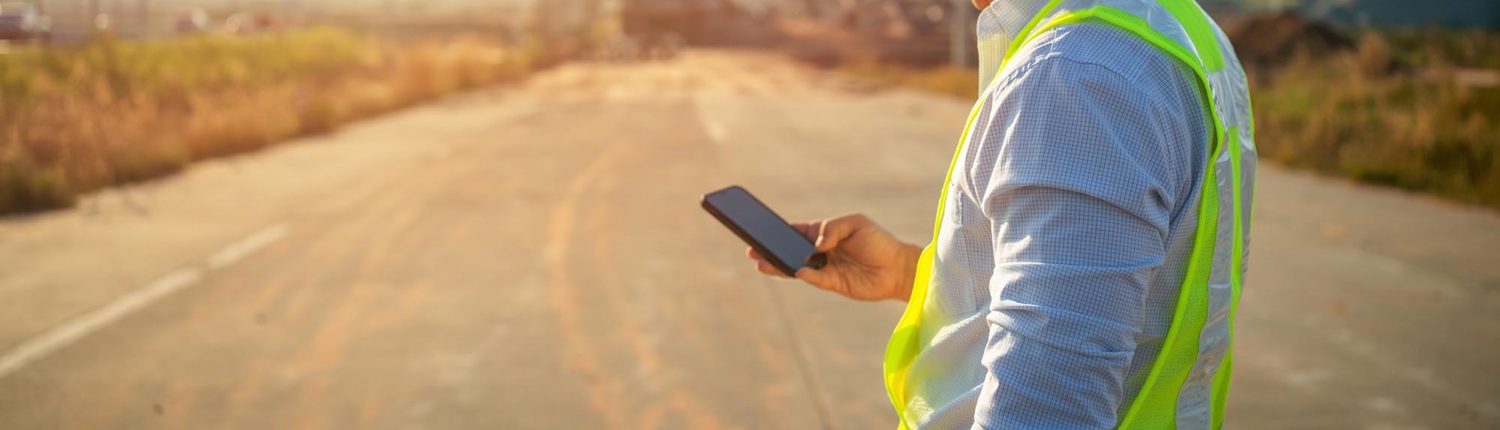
pixel 1188 383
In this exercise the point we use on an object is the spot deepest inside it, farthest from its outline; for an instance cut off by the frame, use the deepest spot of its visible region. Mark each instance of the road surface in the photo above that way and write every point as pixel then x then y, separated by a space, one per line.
pixel 534 257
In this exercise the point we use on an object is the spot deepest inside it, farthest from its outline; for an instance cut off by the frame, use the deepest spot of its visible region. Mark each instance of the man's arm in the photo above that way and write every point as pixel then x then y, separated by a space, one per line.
pixel 1073 174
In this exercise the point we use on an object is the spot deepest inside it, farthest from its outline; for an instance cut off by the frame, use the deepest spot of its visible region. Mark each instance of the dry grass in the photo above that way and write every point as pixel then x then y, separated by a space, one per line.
pixel 1381 115
pixel 113 112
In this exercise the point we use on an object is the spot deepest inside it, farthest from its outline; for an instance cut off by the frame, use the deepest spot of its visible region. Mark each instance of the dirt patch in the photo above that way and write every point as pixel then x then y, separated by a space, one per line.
pixel 829 46
pixel 1275 39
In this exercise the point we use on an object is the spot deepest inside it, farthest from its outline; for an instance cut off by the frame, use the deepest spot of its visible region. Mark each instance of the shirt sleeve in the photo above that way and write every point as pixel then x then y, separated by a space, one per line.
pixel 1072 173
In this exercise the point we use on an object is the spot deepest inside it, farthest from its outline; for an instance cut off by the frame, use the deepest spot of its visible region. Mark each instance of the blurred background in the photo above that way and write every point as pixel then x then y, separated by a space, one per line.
pixel 483 213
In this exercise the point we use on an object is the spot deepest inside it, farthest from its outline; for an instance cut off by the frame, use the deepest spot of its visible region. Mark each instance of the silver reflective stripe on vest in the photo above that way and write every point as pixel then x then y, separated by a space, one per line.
pixel 1245 119
pixel 1194 401
pixel 1231 103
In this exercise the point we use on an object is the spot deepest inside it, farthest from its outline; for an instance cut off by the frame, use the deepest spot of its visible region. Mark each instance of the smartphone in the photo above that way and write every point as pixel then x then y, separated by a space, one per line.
pixel 763 230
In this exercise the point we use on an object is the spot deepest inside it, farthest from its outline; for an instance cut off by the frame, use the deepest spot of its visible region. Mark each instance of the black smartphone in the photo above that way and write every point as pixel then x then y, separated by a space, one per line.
pixel 763 229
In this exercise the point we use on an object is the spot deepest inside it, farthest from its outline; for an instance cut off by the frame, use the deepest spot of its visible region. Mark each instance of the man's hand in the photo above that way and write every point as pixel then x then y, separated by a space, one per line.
pixel 865 262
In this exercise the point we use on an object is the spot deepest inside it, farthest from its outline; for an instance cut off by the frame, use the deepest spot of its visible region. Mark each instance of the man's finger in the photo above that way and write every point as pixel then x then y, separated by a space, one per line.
pixel 750 252
pixel 835 231
pixel 765 267
pixel 818 278
pixel 807 229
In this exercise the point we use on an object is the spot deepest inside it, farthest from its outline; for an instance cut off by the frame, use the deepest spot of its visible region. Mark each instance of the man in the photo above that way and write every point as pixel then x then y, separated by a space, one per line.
pixel 1090 243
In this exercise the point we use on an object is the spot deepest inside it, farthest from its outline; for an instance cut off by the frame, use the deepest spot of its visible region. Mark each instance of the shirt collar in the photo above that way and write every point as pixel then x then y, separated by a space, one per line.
pixel 998 24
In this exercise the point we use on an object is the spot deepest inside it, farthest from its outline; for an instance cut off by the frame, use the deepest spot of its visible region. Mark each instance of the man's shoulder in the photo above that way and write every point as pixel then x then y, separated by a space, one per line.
pixel 1074 86
pixel 1095 44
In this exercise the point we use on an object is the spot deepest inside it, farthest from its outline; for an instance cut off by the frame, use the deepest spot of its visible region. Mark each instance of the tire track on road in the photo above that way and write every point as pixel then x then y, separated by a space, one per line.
pixel 641 325
pixel 371 228
pixel 605 390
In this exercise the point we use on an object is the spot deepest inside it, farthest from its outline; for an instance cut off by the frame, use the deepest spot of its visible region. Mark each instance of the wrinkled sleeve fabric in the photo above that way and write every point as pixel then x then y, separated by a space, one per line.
pixel 1073 174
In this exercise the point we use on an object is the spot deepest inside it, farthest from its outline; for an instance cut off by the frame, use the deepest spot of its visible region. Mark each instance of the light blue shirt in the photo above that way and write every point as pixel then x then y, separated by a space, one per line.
pixel 1069 224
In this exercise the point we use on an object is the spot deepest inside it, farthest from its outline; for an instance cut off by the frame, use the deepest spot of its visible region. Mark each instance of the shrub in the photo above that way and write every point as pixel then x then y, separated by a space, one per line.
pixel 73 120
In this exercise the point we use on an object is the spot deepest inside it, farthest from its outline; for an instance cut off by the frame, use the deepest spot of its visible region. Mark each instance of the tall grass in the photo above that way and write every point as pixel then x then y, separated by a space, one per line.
pixel 78 119
pixel 1396 116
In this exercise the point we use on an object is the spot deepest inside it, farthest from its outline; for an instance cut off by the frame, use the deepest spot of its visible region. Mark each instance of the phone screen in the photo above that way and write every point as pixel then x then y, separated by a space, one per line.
pixel 762 228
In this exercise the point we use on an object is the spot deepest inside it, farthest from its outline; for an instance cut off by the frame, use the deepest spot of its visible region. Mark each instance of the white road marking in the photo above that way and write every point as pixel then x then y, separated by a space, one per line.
pixel 239 250
pixel 710 122
pixel 60 337
pixel 1386 405
pixel 64 335
pixel 619 94
pixel 716 131
pixel 526 112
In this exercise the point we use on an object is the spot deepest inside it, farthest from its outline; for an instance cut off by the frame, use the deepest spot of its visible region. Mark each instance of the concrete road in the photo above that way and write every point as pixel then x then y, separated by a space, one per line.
pixel 534 257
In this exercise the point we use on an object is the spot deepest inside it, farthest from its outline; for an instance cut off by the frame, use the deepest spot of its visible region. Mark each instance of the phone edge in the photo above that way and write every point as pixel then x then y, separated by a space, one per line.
pixel 786 269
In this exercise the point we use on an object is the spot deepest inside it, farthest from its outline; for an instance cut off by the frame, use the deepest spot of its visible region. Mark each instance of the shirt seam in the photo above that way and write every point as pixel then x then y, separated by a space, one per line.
pixel 1134 80
pixel 1156 131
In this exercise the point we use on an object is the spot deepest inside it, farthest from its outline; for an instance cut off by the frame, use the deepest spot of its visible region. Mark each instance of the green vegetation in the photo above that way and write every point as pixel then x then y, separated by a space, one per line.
pixel 74 120
pixel 177 67
pixel 1417 110
pixel 1403 110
